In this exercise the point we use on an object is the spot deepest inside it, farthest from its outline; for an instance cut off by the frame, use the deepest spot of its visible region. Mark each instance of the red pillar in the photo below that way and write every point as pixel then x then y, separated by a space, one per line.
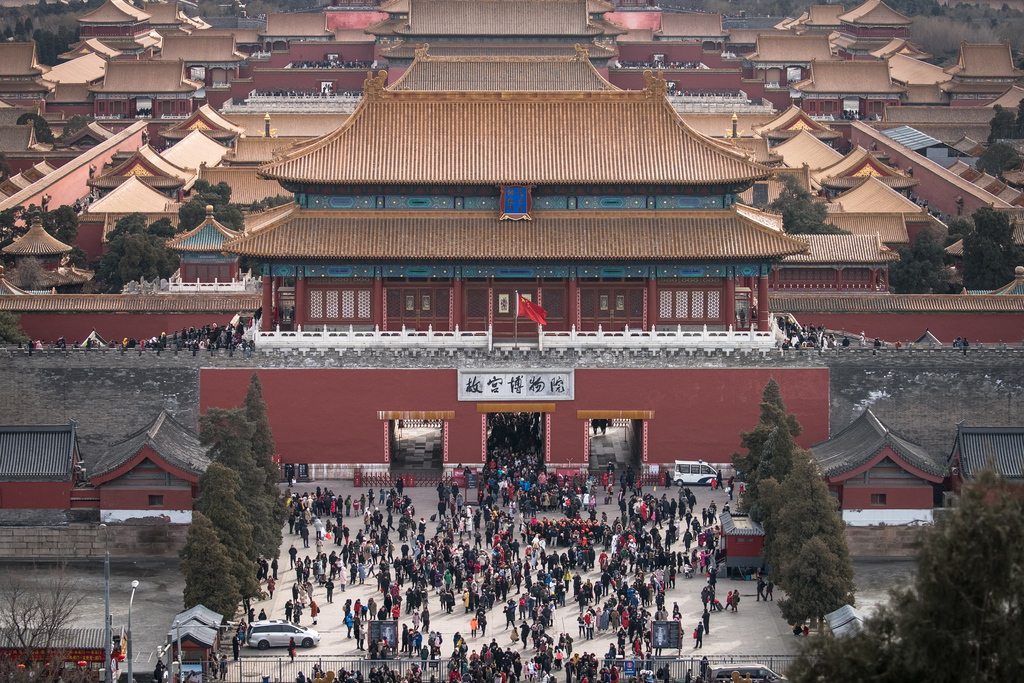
pixel 572 310
pixel 377 303
pixel 839 278
pixel 457 316
pixel 652 299
pixel 762 303
pixel 729 301
pixel 300 301
pixel 268 303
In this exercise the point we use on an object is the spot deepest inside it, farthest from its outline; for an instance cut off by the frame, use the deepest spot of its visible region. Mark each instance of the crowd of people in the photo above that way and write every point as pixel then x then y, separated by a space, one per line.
pixel 496 557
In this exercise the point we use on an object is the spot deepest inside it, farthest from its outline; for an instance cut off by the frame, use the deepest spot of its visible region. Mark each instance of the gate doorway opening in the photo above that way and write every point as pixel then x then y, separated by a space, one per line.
pixel 516 435
pixel 416 442
pixel 615 438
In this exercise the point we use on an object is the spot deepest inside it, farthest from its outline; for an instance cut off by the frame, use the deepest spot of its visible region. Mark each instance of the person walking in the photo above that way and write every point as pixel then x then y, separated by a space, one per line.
pixel 699 636
pixel 291 649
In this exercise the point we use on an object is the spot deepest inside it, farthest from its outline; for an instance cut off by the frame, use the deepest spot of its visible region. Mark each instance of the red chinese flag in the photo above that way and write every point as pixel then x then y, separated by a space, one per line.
pixel 528 309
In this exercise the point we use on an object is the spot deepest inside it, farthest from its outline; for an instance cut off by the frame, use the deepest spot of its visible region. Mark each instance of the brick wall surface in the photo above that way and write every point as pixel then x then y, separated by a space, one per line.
pixel 920 393
pixel 79 541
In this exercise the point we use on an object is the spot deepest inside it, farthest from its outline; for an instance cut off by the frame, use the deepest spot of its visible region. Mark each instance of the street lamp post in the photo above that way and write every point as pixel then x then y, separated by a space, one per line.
pixel 106 602
pixel 135 584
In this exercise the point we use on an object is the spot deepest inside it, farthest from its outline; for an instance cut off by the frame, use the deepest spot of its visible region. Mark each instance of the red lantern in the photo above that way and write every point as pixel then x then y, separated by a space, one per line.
pixel 83 663
pixel 21 666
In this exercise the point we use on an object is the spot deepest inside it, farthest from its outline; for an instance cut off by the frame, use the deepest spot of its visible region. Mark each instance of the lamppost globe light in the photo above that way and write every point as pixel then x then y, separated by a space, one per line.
pixel 135 584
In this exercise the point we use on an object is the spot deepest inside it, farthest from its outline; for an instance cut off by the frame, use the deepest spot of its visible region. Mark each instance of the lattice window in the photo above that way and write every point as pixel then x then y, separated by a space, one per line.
pixel 316 304
pixel 714 304
pixel 476 303
pixel 587 303
pixel 364 303
pixel 665 304
pixel 682 301
pixel 348 304
pixel 394 303
pixel 442 301
pixel 636 303
pixel 697 305
pixel 554 302
pixel 331 305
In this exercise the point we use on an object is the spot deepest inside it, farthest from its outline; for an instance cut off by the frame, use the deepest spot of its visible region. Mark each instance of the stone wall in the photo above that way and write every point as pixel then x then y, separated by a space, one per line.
pixel 79 541
pixel 882 542
pixel 920 393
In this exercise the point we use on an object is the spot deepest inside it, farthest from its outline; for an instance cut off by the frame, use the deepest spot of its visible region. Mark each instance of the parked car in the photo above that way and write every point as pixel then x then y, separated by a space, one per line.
pixel 278 633
pixel 690 472
pixel 757 672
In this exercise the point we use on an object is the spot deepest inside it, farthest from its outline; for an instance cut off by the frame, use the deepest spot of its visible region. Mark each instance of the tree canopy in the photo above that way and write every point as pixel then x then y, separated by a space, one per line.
pixel 959 619
pixel 193 212
pixel 136 250
pixel 42 128
pixel 801 215
pixel 922 268
pixel 206 566
pixel 990 253
pixel 10 330
pixel 1003 125
pixel 997 158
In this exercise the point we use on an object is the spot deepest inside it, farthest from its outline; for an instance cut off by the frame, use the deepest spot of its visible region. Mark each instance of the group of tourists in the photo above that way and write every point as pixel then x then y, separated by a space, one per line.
pixel 498 558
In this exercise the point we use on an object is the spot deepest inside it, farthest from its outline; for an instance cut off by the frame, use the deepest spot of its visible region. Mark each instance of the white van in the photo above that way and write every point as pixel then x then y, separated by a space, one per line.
pixel 693 472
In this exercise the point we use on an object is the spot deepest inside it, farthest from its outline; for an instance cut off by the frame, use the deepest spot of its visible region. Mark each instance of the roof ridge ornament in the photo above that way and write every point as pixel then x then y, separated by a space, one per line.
pixel 582 52
pixel 655 85
pixel 421 51
pixel 373 86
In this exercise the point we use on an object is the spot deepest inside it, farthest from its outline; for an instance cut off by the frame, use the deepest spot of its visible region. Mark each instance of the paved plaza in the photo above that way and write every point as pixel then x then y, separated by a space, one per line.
pixel 756 629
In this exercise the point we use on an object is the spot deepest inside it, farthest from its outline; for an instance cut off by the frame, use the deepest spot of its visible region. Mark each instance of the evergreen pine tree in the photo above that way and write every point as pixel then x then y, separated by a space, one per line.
pixel 263 457
pixel 805 542
pixel 218 500
pixel 207 569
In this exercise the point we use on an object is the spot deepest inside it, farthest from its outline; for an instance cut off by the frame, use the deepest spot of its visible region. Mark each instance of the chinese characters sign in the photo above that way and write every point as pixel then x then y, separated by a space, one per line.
pixel 516 385
pixel 515 203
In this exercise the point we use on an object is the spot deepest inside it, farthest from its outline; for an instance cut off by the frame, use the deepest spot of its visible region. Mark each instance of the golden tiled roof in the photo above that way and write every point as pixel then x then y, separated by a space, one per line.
pixel 296 25
pixel 149 166
pixel 19 59
pixel 843 249
pixel 206 119
pixel 290 125
pixel 792 49
pixel 791 121
pixel 805 148
pixel 985 61
pixel 1011 98
pixel 692 25
pixel 823 16
pixel 130 196
pixel 201 48
pixel 114 12
pixel 854 76
pixel 565 235
pixel 36 242
pixel 405 50
pixel 90 46
pixel 874 196
pixel 891 227
pixel 858 162
pixel 497 18
pixel 246 185
pixel 194 150
pixel 908 70
pixel 900 46
pixel 875 13
pixel 504 73
pixel 250 150
pixel 88 68
pixel 144 77
pixel 488 138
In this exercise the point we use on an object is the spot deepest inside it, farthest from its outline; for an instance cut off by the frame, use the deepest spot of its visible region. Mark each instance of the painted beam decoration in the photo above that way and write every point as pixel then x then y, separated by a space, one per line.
pixel 516 203
pixel 516 385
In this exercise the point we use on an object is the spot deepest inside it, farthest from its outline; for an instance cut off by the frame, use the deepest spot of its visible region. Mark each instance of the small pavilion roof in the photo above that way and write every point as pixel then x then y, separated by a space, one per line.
pixel 91 46
pixel 874 196
pixel 928 339
pixel 131 196
pixel 149 166
pixel 741 232
pixel 165 436
pixel 791 121
pixel 195 150
pixel 643 140
pixel 36 242
pixel 114 12
pixel 506 74
pixel 843 249
pixel 859 163
pixel 859 443
pixel 791 49
pixel 38 452
pixel 978 60
pixel 899 46
pixel 805 148
pixel 1015 288
pixel 209 236
pixel 740 525
pixel 206 119
pixel 875 13
pixel 853 76
pixel 200 614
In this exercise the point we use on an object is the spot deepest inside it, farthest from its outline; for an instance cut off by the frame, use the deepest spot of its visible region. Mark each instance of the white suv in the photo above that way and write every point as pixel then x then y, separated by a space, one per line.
pixel 279 633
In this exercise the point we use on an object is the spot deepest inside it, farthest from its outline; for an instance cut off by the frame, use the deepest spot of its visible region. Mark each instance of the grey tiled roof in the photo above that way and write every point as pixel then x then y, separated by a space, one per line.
pixel 862 440
pixel 199 614
pixel 1004 445
pixel 37 452
pixel 172 441
pixel 748 528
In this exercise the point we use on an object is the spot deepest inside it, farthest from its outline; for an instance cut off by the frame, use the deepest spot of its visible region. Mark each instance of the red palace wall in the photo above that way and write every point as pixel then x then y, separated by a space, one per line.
pixel 48 327
pixel 26 495
pixel 919 497
pixel 330 415
pixel 112 498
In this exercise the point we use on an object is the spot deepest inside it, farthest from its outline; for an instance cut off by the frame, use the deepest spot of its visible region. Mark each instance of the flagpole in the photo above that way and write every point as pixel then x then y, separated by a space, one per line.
pixel 515 323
